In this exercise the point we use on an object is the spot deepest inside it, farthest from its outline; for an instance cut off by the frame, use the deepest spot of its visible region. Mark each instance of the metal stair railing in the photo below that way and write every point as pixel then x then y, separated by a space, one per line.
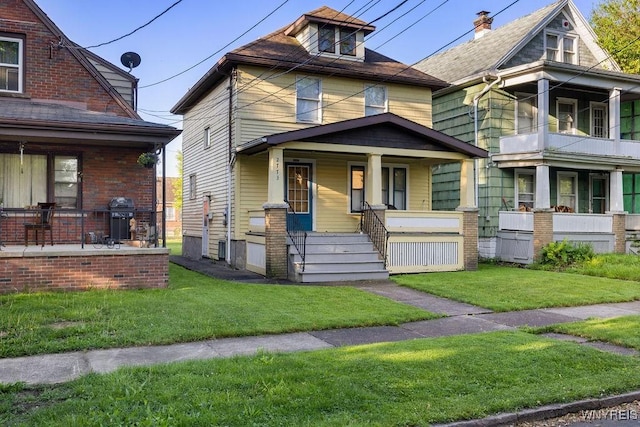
pixel 296 232
pixel 371 224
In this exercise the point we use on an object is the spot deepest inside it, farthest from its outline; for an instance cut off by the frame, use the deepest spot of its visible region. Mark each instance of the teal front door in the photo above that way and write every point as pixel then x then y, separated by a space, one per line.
pixel 299 193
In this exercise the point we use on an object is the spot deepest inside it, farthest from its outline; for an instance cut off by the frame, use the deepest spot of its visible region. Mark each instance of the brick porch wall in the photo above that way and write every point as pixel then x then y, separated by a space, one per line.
pixel 620 233
pixel 76 273
pixel 275 242
pixel 542 230
pixel 470 232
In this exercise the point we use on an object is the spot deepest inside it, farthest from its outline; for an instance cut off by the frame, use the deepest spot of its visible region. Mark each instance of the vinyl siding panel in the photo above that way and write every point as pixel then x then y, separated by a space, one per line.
pixel 252 172
pixel 120 84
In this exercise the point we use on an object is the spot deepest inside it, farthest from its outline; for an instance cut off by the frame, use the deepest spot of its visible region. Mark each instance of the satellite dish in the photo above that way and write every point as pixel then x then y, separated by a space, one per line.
pixel 130 60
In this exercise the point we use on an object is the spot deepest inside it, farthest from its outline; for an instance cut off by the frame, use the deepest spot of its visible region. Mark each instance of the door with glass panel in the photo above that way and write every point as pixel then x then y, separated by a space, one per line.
pixel 598 194
pixel 299 194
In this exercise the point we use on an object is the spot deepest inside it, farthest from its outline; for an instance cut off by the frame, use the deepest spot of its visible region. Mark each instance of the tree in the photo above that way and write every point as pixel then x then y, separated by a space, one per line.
pixel 617 25
pixel 177 184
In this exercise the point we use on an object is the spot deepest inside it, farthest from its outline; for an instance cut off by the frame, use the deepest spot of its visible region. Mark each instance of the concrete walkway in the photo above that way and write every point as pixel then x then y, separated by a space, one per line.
pixel 461 319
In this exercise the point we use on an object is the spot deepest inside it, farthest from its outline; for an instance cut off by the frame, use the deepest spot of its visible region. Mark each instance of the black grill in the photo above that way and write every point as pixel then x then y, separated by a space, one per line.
pixel 121 211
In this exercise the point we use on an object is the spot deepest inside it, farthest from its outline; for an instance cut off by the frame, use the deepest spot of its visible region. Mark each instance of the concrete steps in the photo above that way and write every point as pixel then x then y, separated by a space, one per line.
pixel 336 257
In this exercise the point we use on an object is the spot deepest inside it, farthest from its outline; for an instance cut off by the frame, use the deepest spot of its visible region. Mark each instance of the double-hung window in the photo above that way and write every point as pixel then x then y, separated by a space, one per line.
pixel 567 119
pixel 308 100
pixel 568 190
pixel 347 42
pixel 357 188
pixel 561 47
pixel 26 180
pixel 327 39
pixel 527 113
pixel 375 100
pixel 599 120
pixel 192 186
pixel 525 189
pixel 394 187
pixel 11 63
pixel 207 137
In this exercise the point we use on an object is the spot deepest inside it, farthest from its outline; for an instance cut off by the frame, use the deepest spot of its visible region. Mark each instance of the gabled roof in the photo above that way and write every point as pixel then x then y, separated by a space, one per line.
pixel 376 130
pixel 496 47
pixel 325 15
pixel 282 52
pixel 81 56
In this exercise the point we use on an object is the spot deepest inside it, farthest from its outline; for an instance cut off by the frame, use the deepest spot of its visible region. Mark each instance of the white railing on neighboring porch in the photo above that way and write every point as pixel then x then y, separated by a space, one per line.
pixel 515 220
pixel 570 143
pixel 582 223
pixel 424 241
pixel 632 222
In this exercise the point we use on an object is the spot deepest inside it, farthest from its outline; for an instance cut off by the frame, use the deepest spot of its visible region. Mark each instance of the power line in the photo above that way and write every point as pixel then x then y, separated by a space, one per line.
pixel 137 29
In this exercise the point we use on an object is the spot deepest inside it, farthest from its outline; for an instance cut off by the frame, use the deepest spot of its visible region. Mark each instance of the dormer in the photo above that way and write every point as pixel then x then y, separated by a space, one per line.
pixel 329 33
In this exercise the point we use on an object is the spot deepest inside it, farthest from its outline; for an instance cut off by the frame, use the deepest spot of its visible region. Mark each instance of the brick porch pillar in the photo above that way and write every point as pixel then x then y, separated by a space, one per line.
pixel 542 230
pixel 275 221
pixel 470 233
pixel 619 233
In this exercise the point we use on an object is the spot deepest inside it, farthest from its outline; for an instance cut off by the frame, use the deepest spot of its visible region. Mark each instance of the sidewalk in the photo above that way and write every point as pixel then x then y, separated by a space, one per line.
pixel 461 319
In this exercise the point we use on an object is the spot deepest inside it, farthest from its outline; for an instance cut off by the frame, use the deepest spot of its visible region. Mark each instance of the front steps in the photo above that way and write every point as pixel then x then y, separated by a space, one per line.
pixel 337 257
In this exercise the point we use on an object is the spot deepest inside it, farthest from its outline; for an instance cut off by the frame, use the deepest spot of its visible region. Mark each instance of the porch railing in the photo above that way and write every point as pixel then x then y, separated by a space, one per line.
pixel 78 226
pixel 297 234
pixel 371 224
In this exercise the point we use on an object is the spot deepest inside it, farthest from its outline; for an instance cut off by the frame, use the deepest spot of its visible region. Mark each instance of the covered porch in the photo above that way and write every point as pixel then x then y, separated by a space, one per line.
pixel 368 176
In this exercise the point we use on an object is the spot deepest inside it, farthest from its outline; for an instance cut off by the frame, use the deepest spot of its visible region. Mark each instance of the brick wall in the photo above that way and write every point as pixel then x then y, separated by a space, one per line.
pixel 470 231
pixel 620 233
pixel 542 230
pixel 52 73
pixel 83 272
pixel 275 242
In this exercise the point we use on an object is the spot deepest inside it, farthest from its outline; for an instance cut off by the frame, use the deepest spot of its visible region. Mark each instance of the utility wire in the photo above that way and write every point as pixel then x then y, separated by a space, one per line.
pixel 137 29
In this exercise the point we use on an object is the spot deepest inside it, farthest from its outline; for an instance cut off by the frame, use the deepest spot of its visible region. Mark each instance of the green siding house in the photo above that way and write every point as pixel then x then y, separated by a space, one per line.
pixel 561 123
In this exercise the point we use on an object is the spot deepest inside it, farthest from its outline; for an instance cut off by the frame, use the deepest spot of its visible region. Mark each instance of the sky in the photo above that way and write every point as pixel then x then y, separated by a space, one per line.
pixel 201 31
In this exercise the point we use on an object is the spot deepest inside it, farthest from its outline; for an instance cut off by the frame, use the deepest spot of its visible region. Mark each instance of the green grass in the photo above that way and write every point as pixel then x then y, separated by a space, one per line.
pixel 503 288
pixel 624 331
pixel 194 307
pixel 613 266
pixel 406 383
pixel 175 245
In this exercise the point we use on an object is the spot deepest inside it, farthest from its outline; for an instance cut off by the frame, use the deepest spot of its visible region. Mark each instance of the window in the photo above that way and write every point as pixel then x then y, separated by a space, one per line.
pixel 357 188
pixel 527 113
pixel 192 186
pixel 375 100
pixel 598 193
pixel 630 120
pixel 525 190
pixel 347 42
pixel 631 192
pixel 568 190
pixel 207 137
pixel 561 47
pixel 327 39
pixel 308 95
pixel 10 64
pixel 567 115
pixel 394 178
pixel 31 178
pixel 599 120
pixel 171 213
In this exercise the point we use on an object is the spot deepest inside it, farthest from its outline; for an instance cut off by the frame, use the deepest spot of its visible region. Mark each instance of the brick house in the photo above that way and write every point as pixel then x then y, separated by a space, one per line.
pixel 69 135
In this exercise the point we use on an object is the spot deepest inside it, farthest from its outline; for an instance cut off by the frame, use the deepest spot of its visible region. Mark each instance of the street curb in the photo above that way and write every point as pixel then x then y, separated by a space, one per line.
pixel 547 411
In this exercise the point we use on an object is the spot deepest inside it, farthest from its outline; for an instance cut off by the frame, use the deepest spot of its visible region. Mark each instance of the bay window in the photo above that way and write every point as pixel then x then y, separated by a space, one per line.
pixel 31 178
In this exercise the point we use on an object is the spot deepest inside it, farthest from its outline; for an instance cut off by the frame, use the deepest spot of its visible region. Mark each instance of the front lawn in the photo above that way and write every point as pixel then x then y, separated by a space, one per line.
pixel 405 383
pixel 624 331
pixel 194 307
pixel 501 288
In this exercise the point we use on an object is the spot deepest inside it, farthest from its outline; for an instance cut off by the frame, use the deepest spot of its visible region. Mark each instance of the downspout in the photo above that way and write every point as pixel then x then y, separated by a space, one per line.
pixel 476 100
pixel 230 160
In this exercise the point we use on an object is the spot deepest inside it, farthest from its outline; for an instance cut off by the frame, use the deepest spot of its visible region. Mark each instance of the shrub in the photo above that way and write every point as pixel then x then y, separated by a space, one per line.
pixel 563 254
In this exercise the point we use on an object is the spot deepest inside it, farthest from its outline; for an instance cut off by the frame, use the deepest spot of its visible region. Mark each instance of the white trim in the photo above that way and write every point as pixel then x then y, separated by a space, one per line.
pixel 404 166
pixel 318 117
pixel 574 122
pixel 19 66
pixel 348 189
pixel 560 48
pixel 516 192
pixel 574 176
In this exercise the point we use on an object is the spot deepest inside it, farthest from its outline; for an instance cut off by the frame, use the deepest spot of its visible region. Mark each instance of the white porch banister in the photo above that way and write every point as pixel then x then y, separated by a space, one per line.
pixel 614 115
pixel 543 113
pixel 374 180
pixel 275 192
pixel 467 184
pixel 543 196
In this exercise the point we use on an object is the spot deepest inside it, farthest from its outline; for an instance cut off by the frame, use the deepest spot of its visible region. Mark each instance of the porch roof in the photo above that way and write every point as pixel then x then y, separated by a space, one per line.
pixel 385 130
pixel 42 121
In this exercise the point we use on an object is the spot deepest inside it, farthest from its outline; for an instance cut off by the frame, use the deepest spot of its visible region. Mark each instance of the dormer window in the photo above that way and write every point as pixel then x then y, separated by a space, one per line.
pixel 561 47
pixel 10 64
pixel 328 35
pixel 347 42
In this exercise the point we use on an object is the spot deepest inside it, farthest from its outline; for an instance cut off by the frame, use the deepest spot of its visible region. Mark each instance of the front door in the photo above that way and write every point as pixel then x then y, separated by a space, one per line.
pixel 598 194
pixel 299 193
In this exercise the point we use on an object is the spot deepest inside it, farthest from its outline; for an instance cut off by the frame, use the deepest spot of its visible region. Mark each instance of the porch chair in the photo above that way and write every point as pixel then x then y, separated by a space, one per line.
pixel 43 221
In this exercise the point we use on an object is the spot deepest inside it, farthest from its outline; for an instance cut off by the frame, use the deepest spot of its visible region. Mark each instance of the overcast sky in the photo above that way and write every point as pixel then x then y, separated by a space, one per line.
pixel 194 30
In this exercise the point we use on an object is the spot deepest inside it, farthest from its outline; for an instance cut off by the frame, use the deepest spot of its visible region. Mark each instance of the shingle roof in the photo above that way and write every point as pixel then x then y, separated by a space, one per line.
pixel 280 51
pixel 487 52
pixel 17 111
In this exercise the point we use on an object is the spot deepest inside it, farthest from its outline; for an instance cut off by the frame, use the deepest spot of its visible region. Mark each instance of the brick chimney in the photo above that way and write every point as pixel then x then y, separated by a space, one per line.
pixel 482 24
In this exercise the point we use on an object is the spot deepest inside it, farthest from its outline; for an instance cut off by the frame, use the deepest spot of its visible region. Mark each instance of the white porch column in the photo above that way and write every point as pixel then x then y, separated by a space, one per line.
pixel 467 185
pixel 543 192
pixel 373 193
pixel 616 203
pixel 614 118
pixel 543 113
pixel 275 192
